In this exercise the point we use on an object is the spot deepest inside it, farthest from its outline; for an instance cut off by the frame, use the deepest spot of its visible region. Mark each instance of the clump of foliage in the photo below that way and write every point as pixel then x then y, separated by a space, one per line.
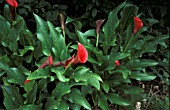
pixel 61 67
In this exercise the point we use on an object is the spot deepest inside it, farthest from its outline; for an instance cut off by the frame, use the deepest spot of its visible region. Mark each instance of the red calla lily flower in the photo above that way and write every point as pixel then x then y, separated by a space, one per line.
pixel 137 24
pixel 117 63
pixel 82 55
pixel 13 3
pixel 49 61
pixel 26 81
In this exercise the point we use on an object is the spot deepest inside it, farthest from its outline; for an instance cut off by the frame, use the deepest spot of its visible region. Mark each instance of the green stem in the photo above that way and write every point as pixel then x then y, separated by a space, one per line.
pixel 128 43
pixel 93 100
pixel 67 68
pixel 97 40
pixel 64 34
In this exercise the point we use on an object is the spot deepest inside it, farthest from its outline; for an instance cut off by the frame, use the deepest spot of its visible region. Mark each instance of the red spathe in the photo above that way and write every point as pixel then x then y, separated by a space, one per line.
pixel 137 24
pixel 13 3
pixel 82 55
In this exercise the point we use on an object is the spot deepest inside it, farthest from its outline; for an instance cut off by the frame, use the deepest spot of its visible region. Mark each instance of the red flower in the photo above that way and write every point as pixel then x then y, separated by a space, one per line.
pixel 26 81
pixel 82 55
pixel 117 63
pixel 49 61
pixel 13 3
pixel 137 24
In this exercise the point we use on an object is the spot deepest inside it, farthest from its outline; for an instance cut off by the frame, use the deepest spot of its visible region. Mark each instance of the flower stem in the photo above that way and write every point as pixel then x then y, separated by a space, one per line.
pixel 64 34
pixel 67 68
pixel 97 40
pixel 57 64
pixel 93 99
pixel 128 43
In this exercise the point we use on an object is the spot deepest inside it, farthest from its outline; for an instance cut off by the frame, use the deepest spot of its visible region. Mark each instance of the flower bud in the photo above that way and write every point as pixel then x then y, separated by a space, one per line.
pixel 98 25
pixel 62 21
pixel 117 63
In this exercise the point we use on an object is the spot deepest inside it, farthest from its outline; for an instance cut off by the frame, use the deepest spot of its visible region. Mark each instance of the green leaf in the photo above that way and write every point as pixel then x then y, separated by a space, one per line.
pixel 112 23
pixel 14 33
pixel 151 43
pixel 125 71
pixel 142 76
pixel 81 37
pixel 152 21
pixel 42 84
pixel 89 33
pixel 60 90
pixel 85 75
pixel 5 27
pixel 40 73
pixel 63 105
pixel 29 107
pixel 76 107
pixel 58 42
pixel 43 35
pixel 131 89
pixel 23 70
pixel 31 95
pixel 76 97
pixel 4 61
pixel 139 64
pixel 118 56
pixel 116 99
pixel 90 59
pixel 69 20
pixel 38 50
pixel 8 101
pixel 27 38
pixel 102 101
pixel 2 73
pixel 26 49
pixel 18 98
pixel 105 86
pixel 7 13
pixel 52 104
pixel 78 25
pixel 94 12
pixel 59 73
pixel 86 90
pixel 15 76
